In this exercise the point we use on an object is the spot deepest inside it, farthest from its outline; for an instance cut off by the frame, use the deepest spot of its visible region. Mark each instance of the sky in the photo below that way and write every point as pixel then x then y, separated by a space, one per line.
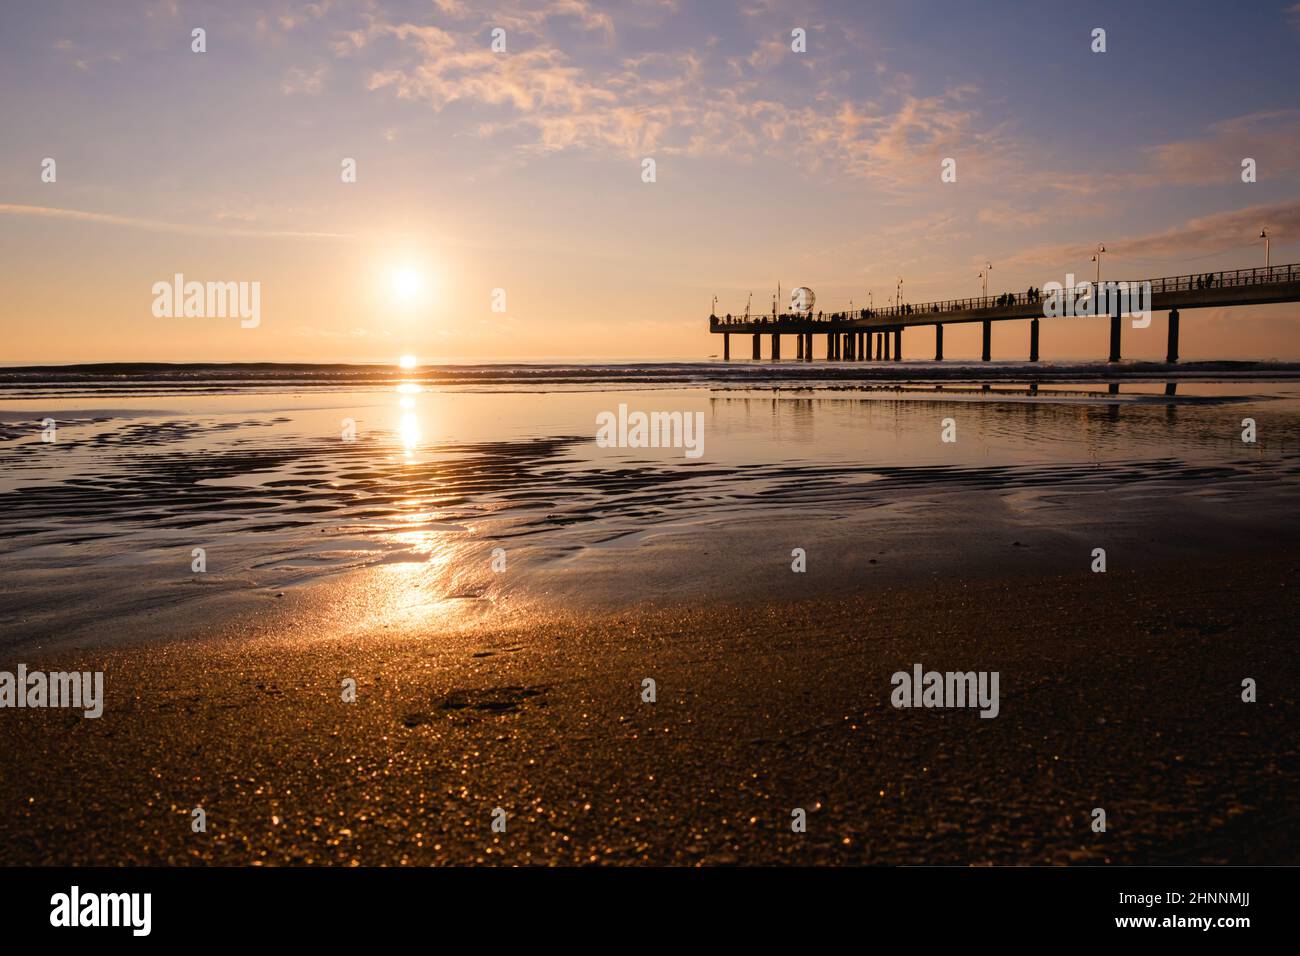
pixel 500 209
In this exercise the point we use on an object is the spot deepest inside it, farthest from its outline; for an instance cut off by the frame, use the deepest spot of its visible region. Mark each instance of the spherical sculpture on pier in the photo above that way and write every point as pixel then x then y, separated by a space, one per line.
pixel 802 299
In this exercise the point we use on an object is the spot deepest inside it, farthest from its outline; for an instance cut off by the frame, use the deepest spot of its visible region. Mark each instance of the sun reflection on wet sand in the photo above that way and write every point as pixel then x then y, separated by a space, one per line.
pixel 408 426
pixel 403 600
pixel 408 429
pixel 435 580
pixel 437 592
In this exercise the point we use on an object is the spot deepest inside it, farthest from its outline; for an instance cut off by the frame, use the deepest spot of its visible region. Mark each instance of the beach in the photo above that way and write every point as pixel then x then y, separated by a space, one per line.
pixel 1123 695
pixel 499 588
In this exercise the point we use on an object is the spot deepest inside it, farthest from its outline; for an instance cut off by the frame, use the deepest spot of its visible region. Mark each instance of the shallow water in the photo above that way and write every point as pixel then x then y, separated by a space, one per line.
pixel 261 477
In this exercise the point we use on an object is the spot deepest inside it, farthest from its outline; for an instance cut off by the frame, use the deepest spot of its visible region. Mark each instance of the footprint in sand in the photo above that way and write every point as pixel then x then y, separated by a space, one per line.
pixel 491 699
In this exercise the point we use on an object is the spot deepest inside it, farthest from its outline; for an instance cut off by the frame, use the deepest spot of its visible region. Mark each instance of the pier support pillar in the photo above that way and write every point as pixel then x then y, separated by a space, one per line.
pixel 1171 354
pixel 807 349
pixel 799 347
pixel 852 339
pixel 830 346
pixel 1114 336
pixel 1033 340
pixel 880 345
pixel 898 344
pixel 726 346
pixel 757 351
pixel 885 336
pixel 938 341
pixel 776 346
pixel 987 354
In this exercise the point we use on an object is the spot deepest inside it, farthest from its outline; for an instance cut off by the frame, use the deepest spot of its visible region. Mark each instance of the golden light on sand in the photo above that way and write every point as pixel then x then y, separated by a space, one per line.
pixel 407 361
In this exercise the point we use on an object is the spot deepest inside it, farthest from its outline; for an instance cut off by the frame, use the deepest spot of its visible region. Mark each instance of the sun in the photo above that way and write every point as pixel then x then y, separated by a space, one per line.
pixel 407 284
pixel 407 361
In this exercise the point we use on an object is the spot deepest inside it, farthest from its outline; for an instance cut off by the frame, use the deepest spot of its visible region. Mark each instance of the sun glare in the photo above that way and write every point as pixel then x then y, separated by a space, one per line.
pixel 407 361
pixel 407 284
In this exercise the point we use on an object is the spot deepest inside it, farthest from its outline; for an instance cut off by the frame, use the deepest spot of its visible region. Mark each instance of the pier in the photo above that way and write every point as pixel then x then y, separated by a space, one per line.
pixel 864 335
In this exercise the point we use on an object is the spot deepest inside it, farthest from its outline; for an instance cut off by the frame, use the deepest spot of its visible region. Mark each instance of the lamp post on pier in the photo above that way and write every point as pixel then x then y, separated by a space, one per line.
pixel 1097 259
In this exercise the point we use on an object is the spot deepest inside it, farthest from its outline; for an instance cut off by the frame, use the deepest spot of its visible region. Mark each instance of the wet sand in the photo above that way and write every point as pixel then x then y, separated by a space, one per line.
pixel 520 687
pixel 1119 690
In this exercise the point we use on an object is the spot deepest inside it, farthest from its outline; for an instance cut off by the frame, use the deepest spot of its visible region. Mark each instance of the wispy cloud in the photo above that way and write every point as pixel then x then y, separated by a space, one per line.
pixel 1271 138
pixel 689 101
pixel 299 80
pixel 156 225
pixel 85 58
pixel 1224 232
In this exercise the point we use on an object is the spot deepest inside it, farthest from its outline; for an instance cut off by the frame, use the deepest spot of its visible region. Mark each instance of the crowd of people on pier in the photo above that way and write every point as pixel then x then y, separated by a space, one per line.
pixel 832 319
pixel 1032 294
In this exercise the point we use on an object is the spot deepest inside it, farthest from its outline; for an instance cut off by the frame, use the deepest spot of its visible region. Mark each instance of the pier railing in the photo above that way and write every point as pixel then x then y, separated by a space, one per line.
pixel 1238 278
